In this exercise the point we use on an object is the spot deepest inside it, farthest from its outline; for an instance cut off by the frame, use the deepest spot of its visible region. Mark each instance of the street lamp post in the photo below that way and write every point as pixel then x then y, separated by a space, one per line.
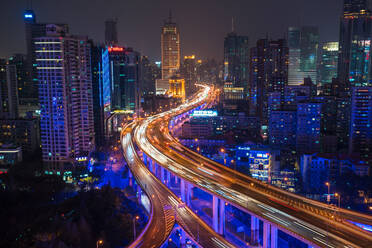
pixel 339 199
pixel 224 156
pixel 328 196
pixel 134 226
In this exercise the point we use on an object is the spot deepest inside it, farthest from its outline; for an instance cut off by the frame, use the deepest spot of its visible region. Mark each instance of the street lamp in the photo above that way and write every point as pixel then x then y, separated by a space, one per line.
pixel 99 243
pixel 328 196
pixel 224 156
pixel 339 198
pixel 134 226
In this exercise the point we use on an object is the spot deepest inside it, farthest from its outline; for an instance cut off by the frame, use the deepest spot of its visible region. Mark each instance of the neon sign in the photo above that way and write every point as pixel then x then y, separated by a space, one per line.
pixel 115 49
pixel 29 16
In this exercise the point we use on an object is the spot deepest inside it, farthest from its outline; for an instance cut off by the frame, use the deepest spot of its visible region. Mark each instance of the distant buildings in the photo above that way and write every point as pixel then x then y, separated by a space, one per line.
pixel 65 95
pixel 303 47
pixel 236 61
pixel 308 127
pixel 189 70
pixel 283 129
pixel 170 49
pixel 361 122
pixel 328 66
pixel 268 73
pixel 8 90
pixel 354 64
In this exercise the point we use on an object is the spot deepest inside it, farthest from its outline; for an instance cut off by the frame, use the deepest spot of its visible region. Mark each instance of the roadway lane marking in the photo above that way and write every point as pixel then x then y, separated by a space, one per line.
pixel 276 218
pixel 299 224
pixel 323 242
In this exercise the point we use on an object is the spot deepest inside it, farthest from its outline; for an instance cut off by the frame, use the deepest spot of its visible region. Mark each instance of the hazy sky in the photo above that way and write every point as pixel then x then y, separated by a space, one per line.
pixel 203 23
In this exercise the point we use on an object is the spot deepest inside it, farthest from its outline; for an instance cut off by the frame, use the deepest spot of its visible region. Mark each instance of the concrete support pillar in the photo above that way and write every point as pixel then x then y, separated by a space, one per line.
pixel 255 227
pixel 130 178
pixel 183 195
pixel 222 218
pixel 144 158
pixel 266 235
pixel 139 193
pixel 274 237
pixel 168 178
pixel 154 166
pixel 162 174
pixel 215 213
pixel 189 194
pixel 150 165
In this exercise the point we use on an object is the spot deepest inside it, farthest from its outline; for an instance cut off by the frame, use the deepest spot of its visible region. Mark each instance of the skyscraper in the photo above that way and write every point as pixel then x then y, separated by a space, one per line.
pixel 189 73
pixel 124 76
pixel 303 46
pixel 33 30
pixel 361 122
pixel 309 50
pixel 111 33
pixel 65 96
pixel 295 76
pixel 236 60
pixel 8 90
pixel 328 66
pixel 268 73
pixel 170 49
pixel 354 64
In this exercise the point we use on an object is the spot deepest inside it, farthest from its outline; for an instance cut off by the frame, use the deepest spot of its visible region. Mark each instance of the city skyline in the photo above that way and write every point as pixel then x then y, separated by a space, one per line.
pixel 192 17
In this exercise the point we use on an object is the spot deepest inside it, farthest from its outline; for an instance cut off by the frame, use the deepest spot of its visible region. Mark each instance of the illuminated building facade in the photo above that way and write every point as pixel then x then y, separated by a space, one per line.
pixel 124 77
pixel 309 43
pixel 170 49
pixel 65 95
pixel 34 30
pixel 303 46
pixel 328 66
pixel 233 93
pixel 19 60
pixel 282 128
pixel 177 87
pixel 8 90
pixel 189 73
pixel 261 161
pixel 308 127
pixel 268 73
pixel 295 76
pixel 236 60
pixel 354 64
pixel 361 123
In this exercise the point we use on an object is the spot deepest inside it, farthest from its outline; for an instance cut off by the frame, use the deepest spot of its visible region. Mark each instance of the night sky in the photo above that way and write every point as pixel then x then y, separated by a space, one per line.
pixel 203 23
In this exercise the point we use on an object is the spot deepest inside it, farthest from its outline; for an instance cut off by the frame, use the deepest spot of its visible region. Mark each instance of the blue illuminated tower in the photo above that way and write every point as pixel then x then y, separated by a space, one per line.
pixel 34 30
pixel 65 96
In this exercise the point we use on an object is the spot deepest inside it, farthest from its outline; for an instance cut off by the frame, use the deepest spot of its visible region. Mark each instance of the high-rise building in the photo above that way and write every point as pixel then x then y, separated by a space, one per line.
pixel 170 49
pixel 303 45
pixel 124 76
pixel 65 96
pixel 295 76
pixel 189 73
pixel 328 66
pixel 236 60
pixel 111 33
pixel 19 60
pixel 308 127
pixel 282 128
pixel 268 73
pixel 309 49
pixel 150 72
pixel 354 64
pixel 361 122
pixel 34 30
pixel 8 90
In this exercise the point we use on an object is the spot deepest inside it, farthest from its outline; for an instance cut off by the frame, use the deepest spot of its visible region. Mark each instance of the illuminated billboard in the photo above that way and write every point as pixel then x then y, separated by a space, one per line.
pixel 204 113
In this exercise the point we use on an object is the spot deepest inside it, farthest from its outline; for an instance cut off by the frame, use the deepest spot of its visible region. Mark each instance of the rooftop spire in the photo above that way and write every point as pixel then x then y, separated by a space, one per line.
pixel 170 16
